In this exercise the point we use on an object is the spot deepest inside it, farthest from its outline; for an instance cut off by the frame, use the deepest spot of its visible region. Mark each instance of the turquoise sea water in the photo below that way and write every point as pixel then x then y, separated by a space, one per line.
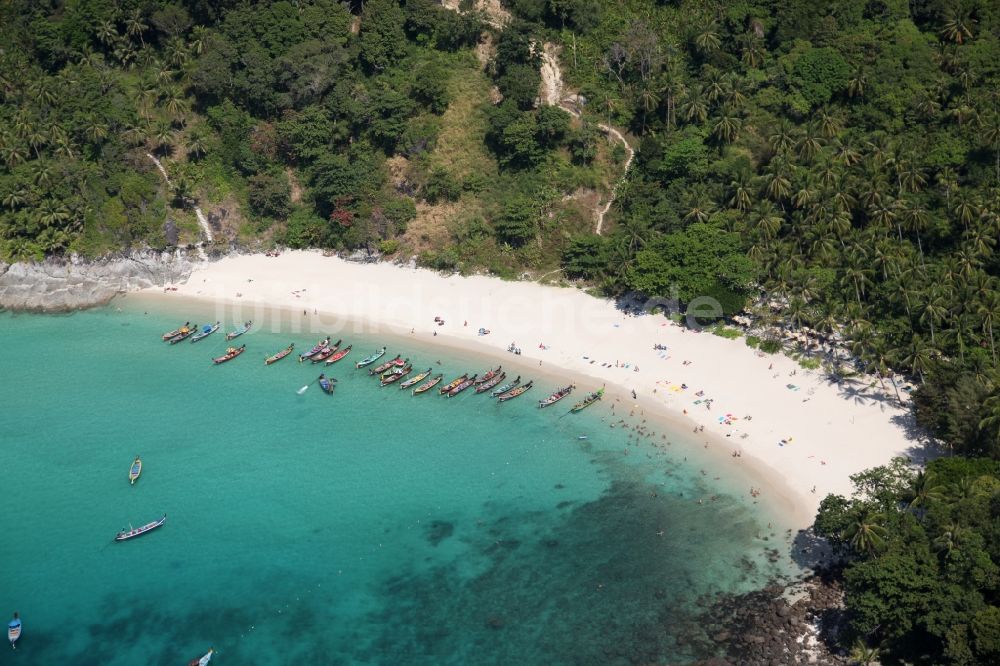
pixel 367 527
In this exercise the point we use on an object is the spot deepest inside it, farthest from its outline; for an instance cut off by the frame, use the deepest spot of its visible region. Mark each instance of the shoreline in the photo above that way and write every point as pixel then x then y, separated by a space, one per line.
pixel 830 432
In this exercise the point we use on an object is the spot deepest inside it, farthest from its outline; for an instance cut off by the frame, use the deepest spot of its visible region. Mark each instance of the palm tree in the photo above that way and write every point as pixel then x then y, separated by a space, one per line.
pixel 866 533
pixel 857 83
pixel 106 33
pixel 197 144
pixel 991 135
pixel 829 124
pixel 134 26
pixel 957 28
pixel 809 145
pixel 991 422
pixel 727 126
pixel 863 654
pixel 94 129
pixel 50 213
pixel 649 101
pixel 753 50
pixel 965 208
pixel 924 489
pixel 707 41
pixel 699 210
pixel 989 311
pixel 783 138
pixel 935 312
pixel 694 107
pixel 163 135
pixel 950 539
pixel 919 358
pixel 742 198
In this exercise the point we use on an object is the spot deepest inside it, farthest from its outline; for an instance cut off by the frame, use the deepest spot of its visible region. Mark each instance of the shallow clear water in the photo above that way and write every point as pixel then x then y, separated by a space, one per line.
pixel 367 527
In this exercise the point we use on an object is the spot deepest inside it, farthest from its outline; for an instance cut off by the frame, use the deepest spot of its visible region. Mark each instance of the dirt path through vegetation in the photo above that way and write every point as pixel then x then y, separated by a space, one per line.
pixel 202 221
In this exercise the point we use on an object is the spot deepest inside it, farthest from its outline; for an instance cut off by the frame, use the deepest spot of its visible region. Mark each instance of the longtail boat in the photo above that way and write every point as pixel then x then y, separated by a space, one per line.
pixel 452 384
pixel 324 353
pixel 125 535
pixel 232 335
pixel 379 369
pixel 135 470
pixel 486 386
pixel 206 331
pixel 14 631
pixel 203 661
pixel 340 353
pixel 368 360
pixel 461 387
pixel 327 384
pixel 176 331
pixel 323 344
pixel 230 354
pixel 513 393
pixel 397 369
pixel 416 379
pixel 555 397
pixel 396 375
pixel 588 401
pixel 489 375
pixel 183 334
pixel 428 385
pixel 506 387
pixel 280 355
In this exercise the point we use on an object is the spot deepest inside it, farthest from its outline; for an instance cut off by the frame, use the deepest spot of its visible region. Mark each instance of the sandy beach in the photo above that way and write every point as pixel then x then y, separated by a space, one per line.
pixel 805 434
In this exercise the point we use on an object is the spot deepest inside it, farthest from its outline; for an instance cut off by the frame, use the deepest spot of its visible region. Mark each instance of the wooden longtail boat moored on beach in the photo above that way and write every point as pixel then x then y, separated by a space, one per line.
pixel 489 375
pixel 452 384
pixel 230 354
pixel 323 344
pixel 368 360
pixel 183 334
pixel 232 335
pixel 135 470
pixel 396 370
pixel 205 331
pixel 588 401
pixel 176 331
pixel 280 355
pixel 506 387
pixel 125 535
pixel 395 375
pixel 486 386
pixel 339 354
pixel 513 393
pixel 14 631
pixel 379 369
pixel 555 397
pixel 461 387
pixel 428 385
pixel 327 384
pixel 416 379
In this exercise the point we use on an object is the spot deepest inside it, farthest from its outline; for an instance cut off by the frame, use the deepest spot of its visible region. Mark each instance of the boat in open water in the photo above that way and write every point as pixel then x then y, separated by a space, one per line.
pixel 368 360
pixel 232 335
pixel 588 401
pixel 183 334
pixel 135 470
pixel 416 379
pixel 205 331
pixel 323 344
pixel 428 385
pixel 203 661
pixel 506 387
pixel 14 631
pixel 514 392
pixel 176 331
pixel 327 384
pixel 230 354
pixel 280 355
pixel 487 385
pixel 339 354
pixel 555 397
pixel 125 535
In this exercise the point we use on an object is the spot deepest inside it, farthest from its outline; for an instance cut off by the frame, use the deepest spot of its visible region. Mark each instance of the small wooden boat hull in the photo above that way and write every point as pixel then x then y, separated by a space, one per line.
pixel 507 387
pixel 183 335
pixel 229 356
pixel 238 332
pixel 135 470
pixel 486 386
pixel 461 387
pixel 416 379
pixel 513 393
pixel 176 331
pixel 280 355
pixel 489 375
pixel 339 355
pixel 317 349
pixel 555 397
pixel 13 632
pixel 428 385
pixel 328 385
pixel 139 531
pixel 452 384
pixel 394 377
pixel 588 401
pixel 368 360
pixel 204 334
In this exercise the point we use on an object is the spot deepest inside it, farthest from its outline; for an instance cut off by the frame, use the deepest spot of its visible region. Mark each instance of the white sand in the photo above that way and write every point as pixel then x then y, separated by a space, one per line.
pixel 832 432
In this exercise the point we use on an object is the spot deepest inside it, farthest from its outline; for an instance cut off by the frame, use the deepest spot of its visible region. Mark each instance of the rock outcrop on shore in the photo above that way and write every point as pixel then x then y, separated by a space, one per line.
pixel 57 285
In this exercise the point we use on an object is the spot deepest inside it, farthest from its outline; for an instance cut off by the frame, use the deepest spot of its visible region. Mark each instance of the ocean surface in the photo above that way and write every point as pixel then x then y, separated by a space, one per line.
pixel 366 527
